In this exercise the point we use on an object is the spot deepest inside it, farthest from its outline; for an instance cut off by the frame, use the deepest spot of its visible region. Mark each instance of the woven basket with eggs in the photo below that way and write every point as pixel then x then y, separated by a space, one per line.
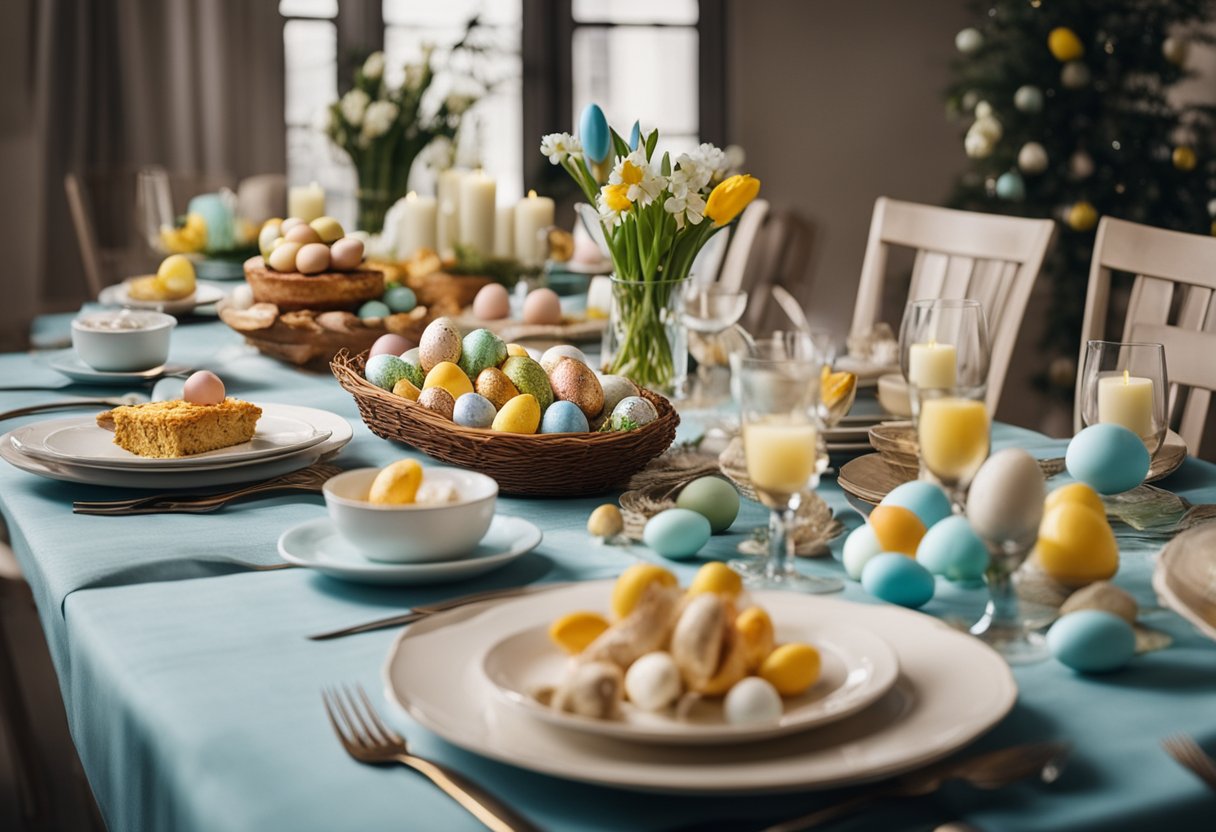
pixel 540 465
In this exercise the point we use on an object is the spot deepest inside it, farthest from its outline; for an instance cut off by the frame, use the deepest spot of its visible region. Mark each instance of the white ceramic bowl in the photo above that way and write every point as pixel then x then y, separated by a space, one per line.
pixel 893 394
pixel 123 341
pixel 412 533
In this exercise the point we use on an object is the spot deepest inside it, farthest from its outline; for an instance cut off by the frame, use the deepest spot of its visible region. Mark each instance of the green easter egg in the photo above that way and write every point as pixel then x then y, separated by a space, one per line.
pixel 480 350
pixel 529 377
pixel 714 498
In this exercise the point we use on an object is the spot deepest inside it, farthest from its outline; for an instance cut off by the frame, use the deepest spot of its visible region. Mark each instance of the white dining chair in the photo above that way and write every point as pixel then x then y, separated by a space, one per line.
pixel 959 254
pixel 743 238
pixel 1171 303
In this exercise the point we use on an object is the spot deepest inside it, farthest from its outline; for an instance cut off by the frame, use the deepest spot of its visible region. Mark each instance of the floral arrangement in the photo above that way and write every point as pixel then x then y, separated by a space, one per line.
pixel 656 216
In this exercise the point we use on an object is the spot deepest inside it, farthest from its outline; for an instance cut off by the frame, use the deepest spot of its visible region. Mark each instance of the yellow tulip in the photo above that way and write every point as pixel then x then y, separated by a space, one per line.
pixel 732 195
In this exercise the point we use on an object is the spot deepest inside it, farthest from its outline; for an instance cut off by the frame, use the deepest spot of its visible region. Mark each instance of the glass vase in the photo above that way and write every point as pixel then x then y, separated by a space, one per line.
pixel 373 205
pixel 646 340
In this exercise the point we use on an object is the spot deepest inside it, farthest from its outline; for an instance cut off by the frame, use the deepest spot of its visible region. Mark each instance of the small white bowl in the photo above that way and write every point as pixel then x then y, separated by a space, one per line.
pixel 893 394
pixel 123 341
pixel 412 533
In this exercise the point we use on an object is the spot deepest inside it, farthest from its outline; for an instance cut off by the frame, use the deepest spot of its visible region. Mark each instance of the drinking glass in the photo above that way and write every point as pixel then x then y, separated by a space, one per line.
pixel 778 384
pixel 952 429
pixel 1126 383
pixel 153 204
pixel 943 344
pixel 710 310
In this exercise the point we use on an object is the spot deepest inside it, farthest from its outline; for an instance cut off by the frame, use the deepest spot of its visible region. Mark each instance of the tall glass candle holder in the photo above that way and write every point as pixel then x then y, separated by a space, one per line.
pixel 1126 384
pixel 943 345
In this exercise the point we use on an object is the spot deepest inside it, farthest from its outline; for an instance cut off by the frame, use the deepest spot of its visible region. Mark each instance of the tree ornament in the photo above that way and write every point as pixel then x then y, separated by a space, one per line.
pixel 1028 99
pixel 1010 186
pixel 1032 158
pixel 977 145
pixel 1081 165
pixel 1212 208
pixel 1082 216
pixel 969 41
pixel 983 110
pixel 1064 44
pixel 969 100
pixel 1184 158
pixel 1176 49
pixel 1074 75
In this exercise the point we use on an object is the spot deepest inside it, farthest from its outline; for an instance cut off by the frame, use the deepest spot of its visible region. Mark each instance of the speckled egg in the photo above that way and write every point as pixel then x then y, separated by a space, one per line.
pixel 529 377
pixel 897 579
pixel 312 258
pixel 473 411
pixel 401 299
pixel 633 412
pixel 495 386
pixel 952 549
pixel 615 389
pixel 346 254
pixel 714 498
pixel 374 309
pixel 447 375
pixel 384 371
pixel 520 415
pixel 551 356
pixel 1005 501
pixel 861 545
pixel 389 344
pixel 438 400
pixel 440 342
pixel 573 381
pixel 564 417
pixel 924 499
pixel 480 350
pixel 1092 641
pixel 542 306
pixel 1108 457
pixel 677 533
pixel 492 302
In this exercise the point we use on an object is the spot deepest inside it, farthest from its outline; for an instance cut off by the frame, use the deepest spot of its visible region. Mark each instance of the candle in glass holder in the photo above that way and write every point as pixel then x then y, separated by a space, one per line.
pixel 477 200
pixel 533 214
pixel 418 225
pixel 781 456
pixel 932 366
pixel 953 436
pixel 1127 400
pixel 306 201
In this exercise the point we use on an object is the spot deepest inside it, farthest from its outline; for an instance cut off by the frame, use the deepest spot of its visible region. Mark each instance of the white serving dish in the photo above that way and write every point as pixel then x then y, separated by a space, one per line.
pixel 123 350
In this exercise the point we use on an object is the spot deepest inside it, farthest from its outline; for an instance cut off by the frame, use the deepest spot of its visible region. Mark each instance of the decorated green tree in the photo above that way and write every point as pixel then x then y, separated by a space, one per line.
pixel 1069 115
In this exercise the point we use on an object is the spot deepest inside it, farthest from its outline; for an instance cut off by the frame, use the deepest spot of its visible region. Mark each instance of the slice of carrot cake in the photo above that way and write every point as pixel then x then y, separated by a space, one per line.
pixel 172 429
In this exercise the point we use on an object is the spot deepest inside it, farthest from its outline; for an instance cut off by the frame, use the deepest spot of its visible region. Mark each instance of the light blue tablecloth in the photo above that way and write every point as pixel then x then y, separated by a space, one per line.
pixel 193 696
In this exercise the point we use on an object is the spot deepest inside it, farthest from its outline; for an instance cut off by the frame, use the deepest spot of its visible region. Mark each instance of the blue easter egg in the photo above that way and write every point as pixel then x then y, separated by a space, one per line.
pixel 1092 641
pixel 1010 186
pixel 635 135
pixel 564 417
pixel 677 533
pixel 473 411
pixel 897 579
pixel 1107 457
pixel 859 547
pixel 924 499
pixel 593 132
pixel 400 299
pixel 952 549
pixel 384 371
pixel 374 309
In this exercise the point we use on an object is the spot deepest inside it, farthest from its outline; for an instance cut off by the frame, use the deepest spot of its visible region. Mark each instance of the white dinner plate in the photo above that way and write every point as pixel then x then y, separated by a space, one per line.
pixel 867 371
pixel 69 364
pixel 204 294
pixel 317 545
pixel 79 440
pixel 951 689
pixel 858 667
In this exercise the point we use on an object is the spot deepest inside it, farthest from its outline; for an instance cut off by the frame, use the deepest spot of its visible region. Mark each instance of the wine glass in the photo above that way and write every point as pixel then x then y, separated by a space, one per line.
pixel 153 204
pixel 952 430
pixel 943 344
pixel 708 311
pixel 1126 384
pixel 778 384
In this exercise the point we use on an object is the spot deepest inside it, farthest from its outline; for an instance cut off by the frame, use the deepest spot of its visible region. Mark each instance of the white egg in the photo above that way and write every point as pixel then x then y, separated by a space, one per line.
pixel 861 545
pixel 1005 502
pixel 241 297
pixel 752 701
pixel 653 681
pixel 555 354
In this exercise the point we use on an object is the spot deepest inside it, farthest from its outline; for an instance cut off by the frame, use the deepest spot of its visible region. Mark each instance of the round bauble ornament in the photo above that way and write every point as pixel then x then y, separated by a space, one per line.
pixel 1184 158
pixel 1028 99
pixel 983 110
pixel 989 126
pixel 1082 216
pixel 1064 44
pixel 1032 158
pixel 969 41
pixel 978 146
pixel 1212 207
pixel 1010 186
pixel 1081 165
pixel 969 99
pixel 1175 50
pixel 1074 75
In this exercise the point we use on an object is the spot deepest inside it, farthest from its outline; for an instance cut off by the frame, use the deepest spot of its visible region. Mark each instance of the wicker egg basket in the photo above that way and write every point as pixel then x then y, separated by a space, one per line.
pixel 539 465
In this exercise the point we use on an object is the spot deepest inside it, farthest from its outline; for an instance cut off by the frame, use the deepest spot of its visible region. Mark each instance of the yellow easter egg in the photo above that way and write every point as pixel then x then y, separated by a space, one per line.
pixel 718 578
pixel 791 668
pixel 450 377
pixel 396 484
pixel 517 350
pixel 632 584
pixel 519 415
pixel 176 276
pixel 574 631
pixel 1076 545
pixel 755 628
pixel 406 389
pixel 1075 492
pixel 606 521
pixel 1064 44
pixel 898 529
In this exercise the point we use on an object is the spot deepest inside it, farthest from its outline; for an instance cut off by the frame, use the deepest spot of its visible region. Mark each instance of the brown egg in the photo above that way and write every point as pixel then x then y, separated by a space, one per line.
pixel 290 223
pixel 440 342
pixel 575 382
pixel 312 258
pixel 283 258
pixel 438 400
pixel 346 254
pixel 302 234
pixel 542 306
pixel 495 386
pixel 492 302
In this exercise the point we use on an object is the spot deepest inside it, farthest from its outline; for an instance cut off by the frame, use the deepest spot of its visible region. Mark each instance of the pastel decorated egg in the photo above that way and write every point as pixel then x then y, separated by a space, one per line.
pixel 953 550
pixel 653 682
pixel 492 302
pixel 203 387
pixel 412 356
pixel 290 223
pixel 897 529
pixel 302 234
pixel 573 381
pixel 520 415
pixel 1075 492
pixel 1092 641
pixel 312 258
pixel 440 342
pixel 241 297
pixel 564 417
pixel 346 254
pixel 791 668
pixel 1108 457
pixel 450 377
pixel 401 299
pixel 1076 545
pixel 542 307
pixel 924 499
pixel 752 701
pixel 480 350
pixel 495 386
pixel 594 133
pixel 438 400
pixel 529 377
pixel 389 344
pixel 328 229
pixel 718 578
pixel 516 349
pixel 374 309
pixel 859 547
pixel 897 579
pixel 633 583
pixel 384 371
pixel 406 389
pixel 676 533
pixel 633 412
pixel 606 521
pixel 283 258
pixel 574 631
pixel 1005 501
pixel 473 411
pixel 271 231
pixel 615 389
pixel 556 353
pixel 714 498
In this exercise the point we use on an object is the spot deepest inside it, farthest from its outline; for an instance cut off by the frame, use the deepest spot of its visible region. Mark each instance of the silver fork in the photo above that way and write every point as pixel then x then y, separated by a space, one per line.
pixel 1188 754
pixel 366 738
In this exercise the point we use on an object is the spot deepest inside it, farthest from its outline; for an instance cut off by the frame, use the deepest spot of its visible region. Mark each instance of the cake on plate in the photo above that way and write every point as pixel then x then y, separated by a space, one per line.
pixel 292 291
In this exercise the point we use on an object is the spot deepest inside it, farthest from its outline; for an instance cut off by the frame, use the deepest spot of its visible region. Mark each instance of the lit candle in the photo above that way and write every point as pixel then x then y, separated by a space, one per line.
pixel 306 201
pixel 953 436
pixel 533 214
pixel 448 192
pixel 933 366
pixel 477 194
pixel 504 232
pixel 418 227
pixel 1127 400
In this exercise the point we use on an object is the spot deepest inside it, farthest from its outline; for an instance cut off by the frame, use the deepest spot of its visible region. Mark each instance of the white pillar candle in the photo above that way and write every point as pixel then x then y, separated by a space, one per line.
pixel 419 225
pixel 477 200
pixel 1127 400
pixel 504 232
pixel 932 366
pixel 533 214
pixel 306 201
pixel 448 192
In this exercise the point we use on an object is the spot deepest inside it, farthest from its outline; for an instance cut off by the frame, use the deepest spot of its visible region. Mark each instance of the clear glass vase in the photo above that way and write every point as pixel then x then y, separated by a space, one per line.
pixel 373 205
pixel 646 340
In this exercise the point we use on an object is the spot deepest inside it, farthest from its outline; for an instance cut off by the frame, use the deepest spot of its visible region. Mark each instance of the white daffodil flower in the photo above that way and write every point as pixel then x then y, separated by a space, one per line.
pixel 712 158
pixel 354 105
pixel 379 118
pixel 373 67
pixel 687 208
pixel 691 175
pixel 561 146
pixel 642 179
pixel 439 154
